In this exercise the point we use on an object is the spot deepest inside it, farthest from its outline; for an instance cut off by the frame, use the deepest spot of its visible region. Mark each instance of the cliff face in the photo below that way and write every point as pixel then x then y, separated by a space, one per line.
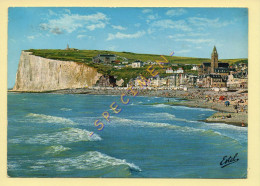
pixel 40 74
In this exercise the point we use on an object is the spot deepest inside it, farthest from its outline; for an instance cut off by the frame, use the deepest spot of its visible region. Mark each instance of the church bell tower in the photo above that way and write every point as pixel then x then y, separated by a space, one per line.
pixel 214 59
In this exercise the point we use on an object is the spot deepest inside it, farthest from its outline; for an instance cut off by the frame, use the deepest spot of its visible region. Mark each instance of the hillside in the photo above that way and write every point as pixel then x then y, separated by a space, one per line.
pixel 85 56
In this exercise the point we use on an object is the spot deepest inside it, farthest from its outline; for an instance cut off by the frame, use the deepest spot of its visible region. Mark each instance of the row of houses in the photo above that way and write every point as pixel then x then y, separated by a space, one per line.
pixel 171 71
pixel 233 81
pixel 173 81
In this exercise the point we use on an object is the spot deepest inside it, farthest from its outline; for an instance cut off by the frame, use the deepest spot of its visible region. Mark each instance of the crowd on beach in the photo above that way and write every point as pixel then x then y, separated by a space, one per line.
pixel 239 101
pixel 233 106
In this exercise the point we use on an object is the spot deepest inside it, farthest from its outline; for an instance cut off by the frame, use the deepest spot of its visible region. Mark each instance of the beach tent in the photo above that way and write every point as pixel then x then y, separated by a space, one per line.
pixel 221 98
pixel 227 103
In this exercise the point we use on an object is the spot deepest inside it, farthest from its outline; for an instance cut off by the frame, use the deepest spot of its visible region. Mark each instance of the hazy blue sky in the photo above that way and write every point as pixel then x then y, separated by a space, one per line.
pixel 188 32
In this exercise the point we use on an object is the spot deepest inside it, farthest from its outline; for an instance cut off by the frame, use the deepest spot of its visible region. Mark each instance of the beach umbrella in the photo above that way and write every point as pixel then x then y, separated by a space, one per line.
pixel 221 98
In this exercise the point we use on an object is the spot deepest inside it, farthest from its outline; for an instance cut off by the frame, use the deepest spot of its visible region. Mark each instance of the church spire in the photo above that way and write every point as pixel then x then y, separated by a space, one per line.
pixel 214 50
pixel 214 60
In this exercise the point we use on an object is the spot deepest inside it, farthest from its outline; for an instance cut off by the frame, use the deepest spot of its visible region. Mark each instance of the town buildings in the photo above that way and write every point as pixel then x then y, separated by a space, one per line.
pixel 238 80
pixel 169 70
pixel 195 68
pixel 214 67
pixel 217 74
pixel 213 74
pixel 137 64
pixel 104 58
pixel 106 81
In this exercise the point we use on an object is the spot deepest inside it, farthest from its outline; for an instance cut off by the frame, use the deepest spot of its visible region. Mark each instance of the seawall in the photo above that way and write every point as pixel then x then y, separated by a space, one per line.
pixel 38 74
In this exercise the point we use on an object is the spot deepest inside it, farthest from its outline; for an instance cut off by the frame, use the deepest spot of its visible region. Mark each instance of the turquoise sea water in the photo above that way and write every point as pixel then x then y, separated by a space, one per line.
pixel 49 136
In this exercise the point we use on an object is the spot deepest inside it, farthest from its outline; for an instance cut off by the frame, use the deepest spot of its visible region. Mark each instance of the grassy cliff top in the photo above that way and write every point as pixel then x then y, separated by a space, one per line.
pixel 86 56
pixel 127 73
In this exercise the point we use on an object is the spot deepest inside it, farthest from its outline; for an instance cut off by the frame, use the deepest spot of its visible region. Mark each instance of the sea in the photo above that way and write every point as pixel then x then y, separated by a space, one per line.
pixel 54 135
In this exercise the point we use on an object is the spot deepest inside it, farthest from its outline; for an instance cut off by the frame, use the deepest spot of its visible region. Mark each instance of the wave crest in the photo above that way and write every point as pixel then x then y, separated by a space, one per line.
pixel 185 129
pixel 68 136
pixel 161 105
pixel 65 136
pixel 41 118
pixel 65 109
pixel 92 160
pixel 163 115
pixel 57 149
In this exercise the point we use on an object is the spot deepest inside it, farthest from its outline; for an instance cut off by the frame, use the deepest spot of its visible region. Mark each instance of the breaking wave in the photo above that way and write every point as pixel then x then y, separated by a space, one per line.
pixel 41 118
pixel 161 105
pixel 190 108
pixel 56 149
pixel 227 126
pixel 65 136
pixel 183 129
pixel 92 160
pixel 163 115
pixel 65 109
pixel 124 121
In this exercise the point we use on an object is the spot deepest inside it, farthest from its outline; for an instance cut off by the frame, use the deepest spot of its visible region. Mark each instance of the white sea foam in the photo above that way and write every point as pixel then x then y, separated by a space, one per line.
pixel 184 129
pixel 57 149
pixel 14 140
pixel 163 115
pixel 235 132
pixel 37 167
pixel 12 165
pixel 65 109
pixel 92 160
pixel 41 118
pixel 227 126
pixel 166 116
pixel 62 137
pixel 209 131
pixel 124 121
pixel 178 107
pixel 161 105
pixel 191 108
pixel 121 120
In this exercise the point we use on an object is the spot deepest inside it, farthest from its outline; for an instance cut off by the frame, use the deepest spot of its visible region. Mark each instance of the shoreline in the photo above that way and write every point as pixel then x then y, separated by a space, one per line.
pixel 194 98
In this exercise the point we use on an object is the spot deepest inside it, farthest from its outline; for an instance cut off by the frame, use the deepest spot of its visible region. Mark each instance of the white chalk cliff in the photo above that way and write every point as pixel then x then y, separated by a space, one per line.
pixel 36 74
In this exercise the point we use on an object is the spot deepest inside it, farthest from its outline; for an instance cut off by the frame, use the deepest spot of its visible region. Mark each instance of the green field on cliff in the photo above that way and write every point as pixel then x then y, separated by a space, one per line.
pixel 85 56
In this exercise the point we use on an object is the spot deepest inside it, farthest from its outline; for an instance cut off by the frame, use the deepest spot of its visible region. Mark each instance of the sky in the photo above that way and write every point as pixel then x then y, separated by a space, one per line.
pixel 189 32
